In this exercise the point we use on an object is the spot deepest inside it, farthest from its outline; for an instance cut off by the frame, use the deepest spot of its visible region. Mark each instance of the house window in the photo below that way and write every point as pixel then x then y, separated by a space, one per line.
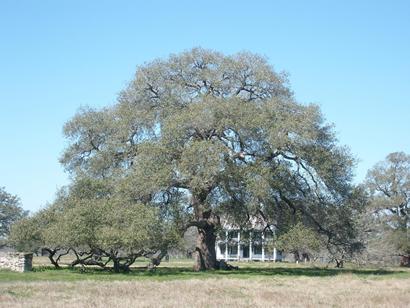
pixel 268 236
pixel 233 250
pixel 222 248
pixel 257 249
pixel 257 236
pixel 245 251
pixel 233 235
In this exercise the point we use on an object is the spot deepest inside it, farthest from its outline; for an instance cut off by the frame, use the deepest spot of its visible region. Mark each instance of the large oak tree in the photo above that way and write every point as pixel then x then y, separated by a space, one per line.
pixel 202 135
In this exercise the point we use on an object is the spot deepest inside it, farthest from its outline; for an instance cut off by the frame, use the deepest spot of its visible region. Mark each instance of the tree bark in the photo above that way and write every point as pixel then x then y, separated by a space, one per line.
pixel 206 223
pixel 339 263
pixel 156 259
pixel 205 253
pixel 117 265
pixel 51 254
pixel 405 261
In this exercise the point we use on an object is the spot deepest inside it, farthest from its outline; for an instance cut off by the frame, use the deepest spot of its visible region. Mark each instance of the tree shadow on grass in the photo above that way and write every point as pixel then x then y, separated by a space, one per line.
pixel 278 271
pixel 308 271
pixel 244 272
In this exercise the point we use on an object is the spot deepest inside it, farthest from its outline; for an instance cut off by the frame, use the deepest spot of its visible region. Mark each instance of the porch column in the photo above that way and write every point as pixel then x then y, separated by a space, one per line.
pixel 239 245
pixel 250 245
pixel 226 245
pixel 263 246
pixel 274 254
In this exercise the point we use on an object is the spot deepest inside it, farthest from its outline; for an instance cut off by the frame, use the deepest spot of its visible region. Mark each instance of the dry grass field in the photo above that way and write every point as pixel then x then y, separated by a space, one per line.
pixel 344 291
pixel 175 285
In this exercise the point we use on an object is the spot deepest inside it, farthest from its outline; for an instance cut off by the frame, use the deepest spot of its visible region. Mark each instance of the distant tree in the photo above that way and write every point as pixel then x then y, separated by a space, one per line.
pixel 10 212
pixel 202 135
pixel 388 213
pixel 300 241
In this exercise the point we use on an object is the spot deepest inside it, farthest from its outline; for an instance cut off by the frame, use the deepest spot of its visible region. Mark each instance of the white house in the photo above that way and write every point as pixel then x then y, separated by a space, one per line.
pixel 247 245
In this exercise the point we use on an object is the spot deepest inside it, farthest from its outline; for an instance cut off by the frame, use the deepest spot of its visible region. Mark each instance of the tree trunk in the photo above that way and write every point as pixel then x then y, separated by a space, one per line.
pixel 156 258
pixel 296 256
pixel 339 263
pixel 205 253
pixel 116 265
pixel 51 254
pixel 405 261
pixel 206 222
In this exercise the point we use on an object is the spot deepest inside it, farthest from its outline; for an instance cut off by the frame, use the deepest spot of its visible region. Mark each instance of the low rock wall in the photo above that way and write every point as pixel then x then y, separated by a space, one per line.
pixel 16 261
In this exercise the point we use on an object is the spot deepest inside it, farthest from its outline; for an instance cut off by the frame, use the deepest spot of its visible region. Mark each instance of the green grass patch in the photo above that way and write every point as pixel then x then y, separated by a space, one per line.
pixel 183 270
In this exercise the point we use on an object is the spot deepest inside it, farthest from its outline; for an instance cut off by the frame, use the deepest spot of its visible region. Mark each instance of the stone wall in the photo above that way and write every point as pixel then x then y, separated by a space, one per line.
pixel 16 261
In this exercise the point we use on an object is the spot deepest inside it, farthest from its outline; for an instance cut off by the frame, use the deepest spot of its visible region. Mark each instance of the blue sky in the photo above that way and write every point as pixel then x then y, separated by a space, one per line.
pixel 350 57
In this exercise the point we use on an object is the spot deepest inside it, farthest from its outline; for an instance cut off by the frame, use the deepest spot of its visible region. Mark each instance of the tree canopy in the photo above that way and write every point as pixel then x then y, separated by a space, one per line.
pixel 388 212
pixel 10 212
pixel 301 241
pixel 214 135
pixel 202 135
pixel 194 138
pixel 92 222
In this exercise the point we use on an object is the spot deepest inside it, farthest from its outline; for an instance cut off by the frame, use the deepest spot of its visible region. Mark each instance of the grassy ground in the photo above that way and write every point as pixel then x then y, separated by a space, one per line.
pixel 175 284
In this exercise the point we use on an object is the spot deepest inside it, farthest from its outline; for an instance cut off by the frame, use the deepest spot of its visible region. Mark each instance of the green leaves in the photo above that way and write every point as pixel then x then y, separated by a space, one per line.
pixel 388 212
pixel 201 163
pixel 201 135
pixel 10 212
pixel 84 219
pixel 299 239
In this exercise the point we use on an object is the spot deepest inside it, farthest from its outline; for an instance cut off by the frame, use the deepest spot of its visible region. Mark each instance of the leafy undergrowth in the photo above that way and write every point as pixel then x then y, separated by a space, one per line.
pixel 175 271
